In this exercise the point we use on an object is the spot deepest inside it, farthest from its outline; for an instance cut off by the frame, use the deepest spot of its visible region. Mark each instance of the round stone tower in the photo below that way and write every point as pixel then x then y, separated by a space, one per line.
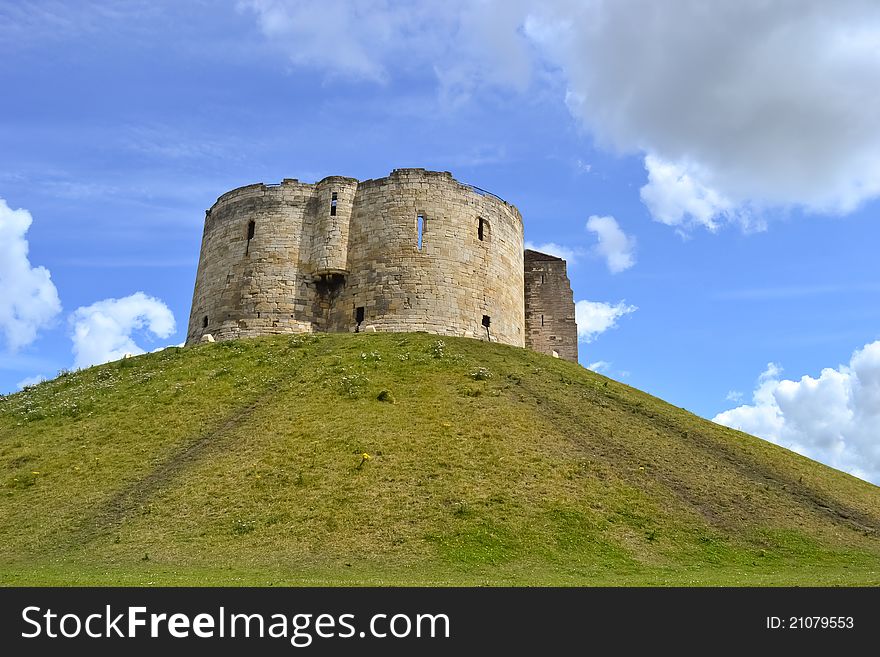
pixel 415 251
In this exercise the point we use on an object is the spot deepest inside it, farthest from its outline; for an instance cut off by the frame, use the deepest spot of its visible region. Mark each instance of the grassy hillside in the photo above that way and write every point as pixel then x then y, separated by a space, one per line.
pixel 241 463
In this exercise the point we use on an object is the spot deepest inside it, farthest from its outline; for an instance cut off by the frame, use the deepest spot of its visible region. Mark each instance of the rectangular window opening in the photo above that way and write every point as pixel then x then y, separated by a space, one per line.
pixel 359 314
pixel 480 229
pixel 420 228
pixel 333 204
pixel 542 320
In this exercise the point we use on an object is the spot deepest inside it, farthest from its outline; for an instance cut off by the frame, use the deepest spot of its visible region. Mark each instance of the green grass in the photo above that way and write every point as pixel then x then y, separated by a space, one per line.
pixel 241 463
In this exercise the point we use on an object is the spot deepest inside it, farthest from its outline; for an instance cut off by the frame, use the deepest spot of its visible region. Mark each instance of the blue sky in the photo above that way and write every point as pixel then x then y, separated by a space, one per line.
pixel 736 152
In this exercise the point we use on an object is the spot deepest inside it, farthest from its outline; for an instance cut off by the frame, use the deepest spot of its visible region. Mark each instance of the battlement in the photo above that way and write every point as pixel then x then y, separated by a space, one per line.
pixel 416 250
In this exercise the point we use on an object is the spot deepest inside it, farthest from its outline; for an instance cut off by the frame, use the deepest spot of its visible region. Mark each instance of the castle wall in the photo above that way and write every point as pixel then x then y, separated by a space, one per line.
pixel 330 224
pixel 247 287
pixel 309 268
pixel 549 306
pixel 449 284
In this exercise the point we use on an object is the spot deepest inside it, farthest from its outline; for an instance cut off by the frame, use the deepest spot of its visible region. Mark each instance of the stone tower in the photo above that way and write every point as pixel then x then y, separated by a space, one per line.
pixel 549 306
pixel 414 251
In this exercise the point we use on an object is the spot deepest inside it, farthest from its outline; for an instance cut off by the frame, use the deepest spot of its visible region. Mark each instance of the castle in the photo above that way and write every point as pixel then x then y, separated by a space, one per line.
pixel 414 251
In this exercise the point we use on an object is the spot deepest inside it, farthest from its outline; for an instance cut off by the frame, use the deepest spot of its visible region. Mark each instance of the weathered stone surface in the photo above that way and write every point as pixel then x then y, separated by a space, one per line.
pixel 344 255
pixel 549 306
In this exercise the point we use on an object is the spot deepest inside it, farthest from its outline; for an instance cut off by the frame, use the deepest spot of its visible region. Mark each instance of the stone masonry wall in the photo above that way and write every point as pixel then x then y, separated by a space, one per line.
pixel 252 287
pixel 549 306
pixel 307 268
pixel 454 280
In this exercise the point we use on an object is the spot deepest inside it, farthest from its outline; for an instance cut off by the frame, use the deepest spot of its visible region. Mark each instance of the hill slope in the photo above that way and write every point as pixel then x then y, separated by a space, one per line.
pixel 240 462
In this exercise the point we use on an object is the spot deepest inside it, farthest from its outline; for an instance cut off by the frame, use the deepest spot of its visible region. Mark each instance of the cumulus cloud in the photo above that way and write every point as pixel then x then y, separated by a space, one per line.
pixel 599 366
pixel 675 198
pixel 734 396
pixel 614 246
pixel 30 381
pixel 595 317
pixel 463 44
pixel 551 248
pixel 749 102
pixel 833 418
pixel 103 331
pixel 306 26
pixel 738 107
pixel 28 298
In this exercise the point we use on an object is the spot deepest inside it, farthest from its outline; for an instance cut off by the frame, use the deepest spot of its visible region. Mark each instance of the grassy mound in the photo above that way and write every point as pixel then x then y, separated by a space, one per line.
pixel 243 463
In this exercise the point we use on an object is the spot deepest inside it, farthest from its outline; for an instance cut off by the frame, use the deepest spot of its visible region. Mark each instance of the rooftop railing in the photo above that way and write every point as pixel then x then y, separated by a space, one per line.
pixel 483 192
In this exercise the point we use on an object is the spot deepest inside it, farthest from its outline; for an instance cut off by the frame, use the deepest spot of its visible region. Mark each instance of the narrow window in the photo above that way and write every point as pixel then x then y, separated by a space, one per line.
pixel 420 228
pixel 542 320
pixel 480 230
pixel 252 227
pixel 358 318
pixel 333 204
pixel 205 322
pixel 486 322
pixel 542 278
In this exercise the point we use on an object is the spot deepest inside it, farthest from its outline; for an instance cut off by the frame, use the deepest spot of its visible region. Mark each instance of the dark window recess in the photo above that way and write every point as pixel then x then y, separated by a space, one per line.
pixel 420 228
pixel 542 320
pixel 486 321
pixel 358 318
pixel 481 233
pixel 252 228
pixel 205 322
pixel 542 278
pixel 333 204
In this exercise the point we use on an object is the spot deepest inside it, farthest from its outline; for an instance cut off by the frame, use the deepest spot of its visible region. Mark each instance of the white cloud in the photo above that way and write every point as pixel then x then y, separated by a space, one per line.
pixel 353 38
pixel 734 395
pixel 28 298
pixel 306 25
pixel 599 366
pixel 462 44
pixel 614 246
pixel 103 331
pixel 168 346
pixel 595 317
pixel 833 418
pixel 551 248
pixel 754 102
pixel 30 381
pixel 583 167
pixel 675 198
pixel 736 107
